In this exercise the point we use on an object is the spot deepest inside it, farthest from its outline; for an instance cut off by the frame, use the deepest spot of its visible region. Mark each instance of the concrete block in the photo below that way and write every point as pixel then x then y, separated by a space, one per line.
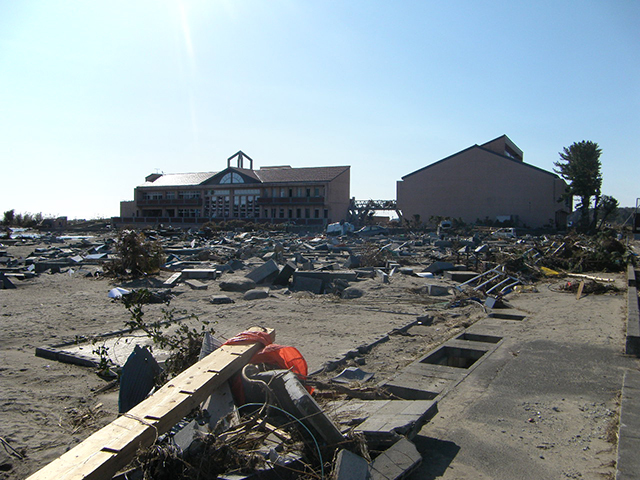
pixel 384 277
pixel 628 464
pixel 349 466
pixel 459 276
pixel 220 405
pixel 137 378
pixel 437 267
pixel 220 299
pixel 196 285
pixel 295 399
pixel 235 265
pixel 173 280
pixel 237 284
pixel 285 274
pixel 256 294
pixel 210 273
pixel 265 272
pixel 490 302
pixel 307 284
pixel 5 283
pixel 353 261
pixel 632 346
pixel 437 290
pixel 443 243
pixel 631 276
pixel 384 421
pixel 396 462
pixel 352 292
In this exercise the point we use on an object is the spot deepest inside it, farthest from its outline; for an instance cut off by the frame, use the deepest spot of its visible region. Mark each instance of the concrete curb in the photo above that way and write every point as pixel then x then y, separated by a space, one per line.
pixel 632 346
pixel 628 464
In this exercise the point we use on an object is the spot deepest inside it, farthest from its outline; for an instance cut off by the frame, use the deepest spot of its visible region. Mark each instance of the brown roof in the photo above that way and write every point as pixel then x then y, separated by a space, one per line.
pixel 264 175
pixel 288 174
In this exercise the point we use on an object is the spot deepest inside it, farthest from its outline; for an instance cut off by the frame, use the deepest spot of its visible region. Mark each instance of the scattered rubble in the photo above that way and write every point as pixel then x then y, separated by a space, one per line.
pixel 349 428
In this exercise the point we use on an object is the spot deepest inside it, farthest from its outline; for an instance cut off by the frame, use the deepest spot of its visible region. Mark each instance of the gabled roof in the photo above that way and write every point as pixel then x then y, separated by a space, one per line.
pixel 243 172
pixel 283 174
pixel 305 174
pixel 505 157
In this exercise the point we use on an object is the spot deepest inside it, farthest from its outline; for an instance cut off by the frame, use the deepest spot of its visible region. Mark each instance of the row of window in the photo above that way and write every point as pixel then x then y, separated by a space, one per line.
pixel 289 213
pixel 239 211
pixel 274 192
pixel 171 195
pixel 315 191
pixel 171 212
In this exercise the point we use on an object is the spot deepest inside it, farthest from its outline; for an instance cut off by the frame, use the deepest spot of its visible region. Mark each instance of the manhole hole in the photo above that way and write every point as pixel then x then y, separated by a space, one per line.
pixel 454 357
pixel 475 337
pixel 506 316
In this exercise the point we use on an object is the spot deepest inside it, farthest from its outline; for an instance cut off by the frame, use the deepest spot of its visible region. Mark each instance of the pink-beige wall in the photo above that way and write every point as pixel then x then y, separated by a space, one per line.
pixel 338 196
pixel 476 184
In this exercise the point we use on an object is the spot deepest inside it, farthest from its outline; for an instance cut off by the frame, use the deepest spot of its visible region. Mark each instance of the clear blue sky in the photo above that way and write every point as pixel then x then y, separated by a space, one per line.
pixel 95 95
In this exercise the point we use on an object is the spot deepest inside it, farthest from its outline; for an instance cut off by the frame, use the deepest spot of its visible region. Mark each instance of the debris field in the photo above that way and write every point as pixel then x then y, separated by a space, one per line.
pixel 300 356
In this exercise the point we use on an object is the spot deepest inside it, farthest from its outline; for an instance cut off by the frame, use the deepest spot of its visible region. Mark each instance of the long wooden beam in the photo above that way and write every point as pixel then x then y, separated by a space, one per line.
pixel 110 449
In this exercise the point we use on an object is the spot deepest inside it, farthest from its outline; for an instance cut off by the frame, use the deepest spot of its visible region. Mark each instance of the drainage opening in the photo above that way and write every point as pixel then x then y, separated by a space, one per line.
pixel 454 357
pixel 406 393
pixel 506 316
pixel 475 337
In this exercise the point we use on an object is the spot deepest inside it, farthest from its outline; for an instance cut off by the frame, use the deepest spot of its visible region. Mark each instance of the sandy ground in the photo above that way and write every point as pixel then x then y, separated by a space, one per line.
pixel 48 407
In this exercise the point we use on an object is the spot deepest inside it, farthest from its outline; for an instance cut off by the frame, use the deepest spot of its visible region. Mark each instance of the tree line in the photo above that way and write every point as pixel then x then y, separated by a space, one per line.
pixel 25 220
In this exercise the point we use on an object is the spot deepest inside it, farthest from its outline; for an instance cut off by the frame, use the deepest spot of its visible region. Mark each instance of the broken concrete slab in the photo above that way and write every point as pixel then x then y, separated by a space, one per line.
pixel 436 290
pixel 220 299
pixel 396 462
pixel 439 267
pixel 459 275
pixel 384 421
pixel 296 400
pixel 137 378
pixel 209 273
pixel 352 374
pixel 196 284
pixel 352 292
pixel 173 280
pixel 265 272
pixel 349 466
pixel 307 284
pixel 285 274
pixel 220 406
pixel 5 283
pixel 256 294
pixel 237 284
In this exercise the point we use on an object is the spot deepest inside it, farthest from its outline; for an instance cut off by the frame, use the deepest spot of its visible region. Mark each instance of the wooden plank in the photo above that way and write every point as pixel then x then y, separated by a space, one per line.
pixel 110 449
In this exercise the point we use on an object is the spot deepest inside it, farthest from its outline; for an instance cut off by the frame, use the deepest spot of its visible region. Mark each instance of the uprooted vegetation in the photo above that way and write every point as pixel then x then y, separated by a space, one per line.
pixel 183 341
pixel 570 254
pixel 137 255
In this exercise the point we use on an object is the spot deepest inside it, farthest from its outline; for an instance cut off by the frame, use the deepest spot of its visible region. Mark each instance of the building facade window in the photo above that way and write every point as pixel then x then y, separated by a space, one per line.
pixel 231 177
pixel 188 194
pixel 188 212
